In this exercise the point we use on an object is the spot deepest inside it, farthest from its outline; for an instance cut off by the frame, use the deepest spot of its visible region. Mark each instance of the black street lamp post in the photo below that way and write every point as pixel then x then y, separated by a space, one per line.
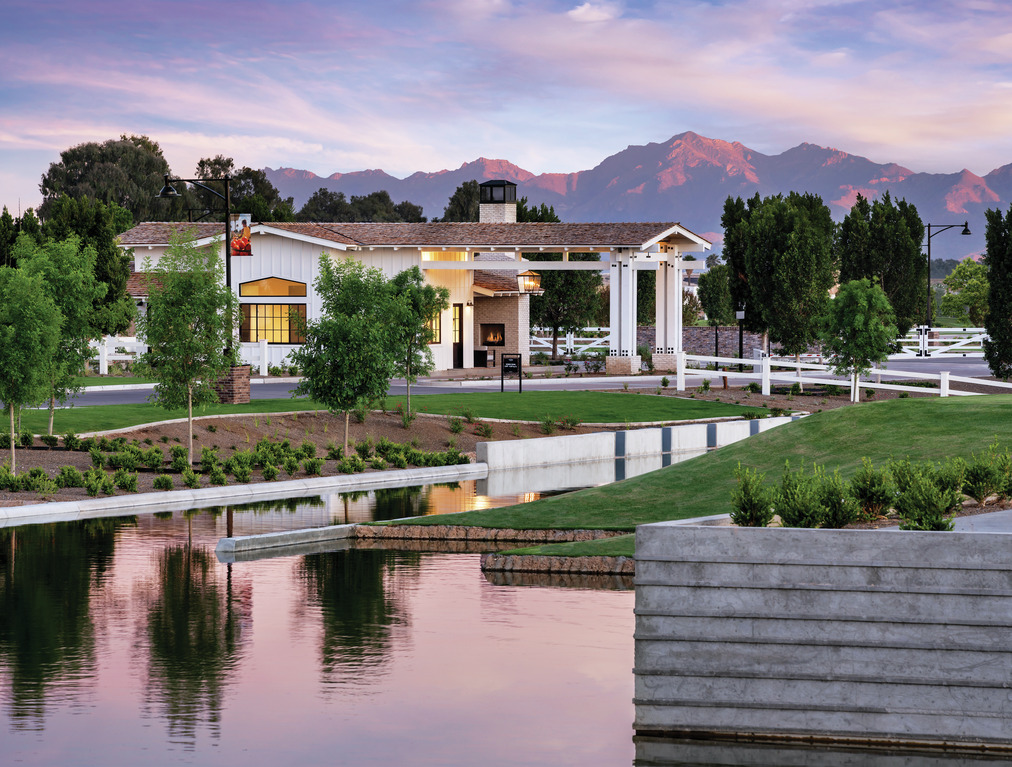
pixel 168 192
pixel 740 316
pixel 939 228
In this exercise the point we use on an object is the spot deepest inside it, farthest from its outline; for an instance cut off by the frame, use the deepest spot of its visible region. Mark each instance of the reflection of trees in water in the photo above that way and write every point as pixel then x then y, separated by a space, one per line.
pixel 194 627
pixel 359 607
pixel 399 502
pixel 47 638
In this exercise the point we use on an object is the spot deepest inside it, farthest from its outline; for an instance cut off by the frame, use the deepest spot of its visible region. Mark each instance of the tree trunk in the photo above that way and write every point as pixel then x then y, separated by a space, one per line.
pixel 854 395
pixel 347 420
pixel 716 341
pixel 555 343
pixel 797 361
pixel 52 410
pixel 407 381
pixel 189 423
pixel 14 466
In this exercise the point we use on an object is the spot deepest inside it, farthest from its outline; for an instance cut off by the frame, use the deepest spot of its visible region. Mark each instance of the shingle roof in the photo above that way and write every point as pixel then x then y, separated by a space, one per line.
pixel 137 284
pixel 530 236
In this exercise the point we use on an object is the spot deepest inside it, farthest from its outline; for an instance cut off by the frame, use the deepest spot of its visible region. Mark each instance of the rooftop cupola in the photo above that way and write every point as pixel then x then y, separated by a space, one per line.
pixel 497 202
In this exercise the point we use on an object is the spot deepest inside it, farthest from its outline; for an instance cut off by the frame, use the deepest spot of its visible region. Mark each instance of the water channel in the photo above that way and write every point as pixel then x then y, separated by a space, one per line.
pixel 125 641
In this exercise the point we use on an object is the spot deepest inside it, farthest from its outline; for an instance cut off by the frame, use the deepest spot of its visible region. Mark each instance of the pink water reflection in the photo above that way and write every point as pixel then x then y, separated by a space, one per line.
pixel 459 672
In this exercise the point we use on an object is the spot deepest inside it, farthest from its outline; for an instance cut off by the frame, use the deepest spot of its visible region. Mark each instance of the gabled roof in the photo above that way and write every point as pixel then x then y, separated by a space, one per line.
pixel 526 236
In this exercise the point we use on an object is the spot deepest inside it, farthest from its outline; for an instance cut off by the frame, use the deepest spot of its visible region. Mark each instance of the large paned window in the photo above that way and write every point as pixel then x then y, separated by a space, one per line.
pixel 272 321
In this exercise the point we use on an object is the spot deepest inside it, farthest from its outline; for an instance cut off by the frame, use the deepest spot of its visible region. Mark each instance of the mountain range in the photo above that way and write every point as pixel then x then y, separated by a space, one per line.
pixel 688 178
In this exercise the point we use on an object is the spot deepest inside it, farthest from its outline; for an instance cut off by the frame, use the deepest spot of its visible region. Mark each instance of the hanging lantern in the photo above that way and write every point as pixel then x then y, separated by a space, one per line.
pixel 529 281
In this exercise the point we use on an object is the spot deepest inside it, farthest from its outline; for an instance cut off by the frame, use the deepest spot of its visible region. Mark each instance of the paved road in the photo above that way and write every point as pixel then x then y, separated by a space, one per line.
pixel 958 366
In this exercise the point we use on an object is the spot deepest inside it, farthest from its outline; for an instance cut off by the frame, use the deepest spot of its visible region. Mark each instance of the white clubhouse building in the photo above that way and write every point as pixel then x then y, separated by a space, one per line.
pixel 489 306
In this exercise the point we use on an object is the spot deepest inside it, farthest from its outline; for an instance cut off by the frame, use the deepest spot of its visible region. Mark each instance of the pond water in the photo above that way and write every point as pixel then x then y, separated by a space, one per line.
pixel 125 641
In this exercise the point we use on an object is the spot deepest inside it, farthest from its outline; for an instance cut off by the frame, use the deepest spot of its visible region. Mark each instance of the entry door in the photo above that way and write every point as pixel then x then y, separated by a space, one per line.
pixel 458 336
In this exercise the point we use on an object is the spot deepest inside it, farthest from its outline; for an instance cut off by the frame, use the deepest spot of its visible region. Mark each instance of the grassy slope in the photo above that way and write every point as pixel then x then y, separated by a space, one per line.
pixel 588 406
pixel 923 429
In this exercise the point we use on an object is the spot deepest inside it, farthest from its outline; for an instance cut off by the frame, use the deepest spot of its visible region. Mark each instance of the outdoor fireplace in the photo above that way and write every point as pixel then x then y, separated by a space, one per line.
pixel 493 334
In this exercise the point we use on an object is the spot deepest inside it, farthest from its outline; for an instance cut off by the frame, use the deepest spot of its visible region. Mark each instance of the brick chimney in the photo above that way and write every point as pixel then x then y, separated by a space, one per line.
pixel 497 202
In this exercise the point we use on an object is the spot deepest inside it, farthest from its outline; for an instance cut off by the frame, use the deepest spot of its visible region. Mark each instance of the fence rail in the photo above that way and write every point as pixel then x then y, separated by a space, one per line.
pixel 583 341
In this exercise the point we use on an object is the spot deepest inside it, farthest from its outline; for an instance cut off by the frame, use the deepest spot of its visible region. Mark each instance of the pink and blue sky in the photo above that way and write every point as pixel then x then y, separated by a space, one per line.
pixel 552 86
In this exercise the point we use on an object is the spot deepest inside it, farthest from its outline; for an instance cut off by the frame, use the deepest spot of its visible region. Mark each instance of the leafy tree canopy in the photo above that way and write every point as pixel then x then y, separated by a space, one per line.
pixel 966 293
pixel 715 295
pixel 858 328
pixel 327 206
pixel 882 241
pixel 415 304
pixel 250 191
pixel 463 204
pixel 128 171
pixel 94 224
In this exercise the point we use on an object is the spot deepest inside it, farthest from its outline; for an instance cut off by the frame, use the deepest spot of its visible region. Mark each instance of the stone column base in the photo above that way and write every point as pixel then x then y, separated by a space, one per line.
pixel 665 362
pixel 233 387
pixel 622 366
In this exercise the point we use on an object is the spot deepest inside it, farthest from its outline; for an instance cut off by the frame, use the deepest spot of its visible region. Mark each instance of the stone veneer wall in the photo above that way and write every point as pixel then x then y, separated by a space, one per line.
pixel 699 340
pixel 514 312
pixel 857 636
pixel 233 387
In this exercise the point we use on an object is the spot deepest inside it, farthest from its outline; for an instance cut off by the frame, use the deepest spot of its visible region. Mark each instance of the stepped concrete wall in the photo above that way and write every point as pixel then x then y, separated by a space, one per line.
pixel 855 635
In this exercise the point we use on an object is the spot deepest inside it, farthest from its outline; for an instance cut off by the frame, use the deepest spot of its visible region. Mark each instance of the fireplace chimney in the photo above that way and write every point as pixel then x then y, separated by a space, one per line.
pixel 497 202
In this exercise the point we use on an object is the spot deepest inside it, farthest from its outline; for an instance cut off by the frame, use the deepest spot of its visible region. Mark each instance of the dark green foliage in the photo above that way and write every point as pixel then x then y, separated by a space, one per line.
pixel 751 500
pixel 49 440
pixel 71 441
pixel 313 466
pixel 179 458
pixel 998 259
pixel 799 503
pixel 307 449
pixel 217 475
pixel 463 204
pixel 873 488
pixel 840 507
pixel 456 424
pixel 153 458
pixel 70 476
pixel 926 506
pixel 483 429
pixel 378 463
pixel 327 206
pixel 715 295
pixel 26 439
pixel 270 472
pixel 126 459
pixel 208 458
pixel 97 458
pixel 364 448
pixel 291 465
pixel 570 298
pixel 334 453
pixel 163 482
pixel 125 480
pixel 241 471
pixel 982 479
pixel 881 242
pixel 190 478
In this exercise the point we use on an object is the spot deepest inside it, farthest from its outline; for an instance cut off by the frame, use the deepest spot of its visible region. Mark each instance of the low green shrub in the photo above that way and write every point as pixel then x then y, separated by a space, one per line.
pixel 483 429
pixel 983 479
pixel 208 458
pixel 751 501
pixel 190 478
pixel 378 463
pixel 153 458
pixel 548 425
pixel 179 458
pixel 364 448
pixel 71 441
pixel 753 388
pixel 70 476
pixel 97 458
pixel 307 449
pixel 242 471
pixel 926 506
pixel 312 466
pixel 217 475
pixel 291 465
pixel 873 489
pixel 49 440
pixel 839 505
pixel 799 503
pixel 163 482
pixel 334 453
pixel 270 472
pixel 125 480
pixel 456 424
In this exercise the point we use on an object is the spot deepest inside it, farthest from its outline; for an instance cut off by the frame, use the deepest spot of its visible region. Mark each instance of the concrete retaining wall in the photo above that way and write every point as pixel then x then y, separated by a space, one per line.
pixel 903 637
pixel 620 444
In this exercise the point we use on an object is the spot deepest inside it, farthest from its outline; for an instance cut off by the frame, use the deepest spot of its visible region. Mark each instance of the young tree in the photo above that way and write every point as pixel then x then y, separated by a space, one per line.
pixel 347 360
pixel 29 332
pixel 68 273
pixel 715 297
pixel 882 241
pixel 966 292
pixel 858 330
pixel 186 326
pixel 8 235
pixel 998 259
pixel 414 306
pixel 94 223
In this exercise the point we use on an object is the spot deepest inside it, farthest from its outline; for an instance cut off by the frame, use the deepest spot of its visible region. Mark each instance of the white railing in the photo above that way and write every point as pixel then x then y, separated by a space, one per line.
pixel 581 342
pixel 923 341
pixel 116 349
pixel 764 368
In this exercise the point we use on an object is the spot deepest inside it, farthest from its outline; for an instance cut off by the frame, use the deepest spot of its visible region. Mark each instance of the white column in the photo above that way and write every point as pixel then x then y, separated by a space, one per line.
pixel 622 339
pixel 668 309
pixel 944 383
pixel 264 364
pixel 766 376
pixel 676 304
pixel 614 309
pixel 680 371
pixel 103 357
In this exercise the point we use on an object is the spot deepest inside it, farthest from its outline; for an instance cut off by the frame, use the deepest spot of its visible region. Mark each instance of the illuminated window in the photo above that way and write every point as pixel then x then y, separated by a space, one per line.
pixel 273 322
pixel 272 286
pixel 444 255
pixel 436 326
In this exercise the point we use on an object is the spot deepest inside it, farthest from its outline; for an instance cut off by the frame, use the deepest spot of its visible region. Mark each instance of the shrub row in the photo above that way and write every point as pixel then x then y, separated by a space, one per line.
pixel 925 496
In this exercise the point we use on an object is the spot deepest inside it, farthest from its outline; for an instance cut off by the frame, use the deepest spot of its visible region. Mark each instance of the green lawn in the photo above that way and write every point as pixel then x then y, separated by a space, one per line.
pixel 88 381
pixel 922 429
pixel 587 406
pixel 106 417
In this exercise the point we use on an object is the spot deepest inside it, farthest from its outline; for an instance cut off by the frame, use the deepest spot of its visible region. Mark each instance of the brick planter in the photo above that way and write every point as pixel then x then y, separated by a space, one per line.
pixel 233 387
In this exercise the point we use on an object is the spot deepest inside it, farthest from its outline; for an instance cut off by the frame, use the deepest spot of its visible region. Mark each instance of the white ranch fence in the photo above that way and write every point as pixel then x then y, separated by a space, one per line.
pixel 809 373
pixel 583 341
pixel 116 349
pixel 923 341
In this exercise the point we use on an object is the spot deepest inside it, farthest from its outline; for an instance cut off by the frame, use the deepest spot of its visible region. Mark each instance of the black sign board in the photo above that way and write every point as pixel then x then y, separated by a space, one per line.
pixel 509 364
